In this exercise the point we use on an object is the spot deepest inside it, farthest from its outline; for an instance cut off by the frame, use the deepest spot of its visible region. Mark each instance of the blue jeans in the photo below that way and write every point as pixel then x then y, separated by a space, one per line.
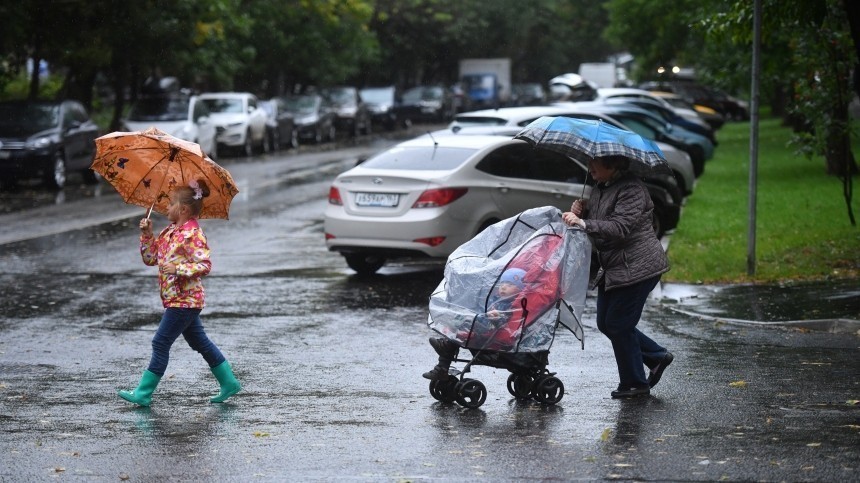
pixel 618 312
pixel 174 322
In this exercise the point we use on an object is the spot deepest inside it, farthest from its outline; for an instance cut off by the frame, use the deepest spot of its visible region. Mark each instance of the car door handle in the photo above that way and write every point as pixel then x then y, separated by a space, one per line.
pixel 503 189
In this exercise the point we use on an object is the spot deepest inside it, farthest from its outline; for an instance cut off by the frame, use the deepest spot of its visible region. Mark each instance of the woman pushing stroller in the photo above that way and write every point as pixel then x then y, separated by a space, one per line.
pixel 617 219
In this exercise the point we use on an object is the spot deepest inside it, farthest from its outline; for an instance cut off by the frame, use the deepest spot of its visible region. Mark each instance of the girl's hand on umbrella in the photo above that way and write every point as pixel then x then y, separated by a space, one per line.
pixel 168 269
pixel 577 207
pixel 146 227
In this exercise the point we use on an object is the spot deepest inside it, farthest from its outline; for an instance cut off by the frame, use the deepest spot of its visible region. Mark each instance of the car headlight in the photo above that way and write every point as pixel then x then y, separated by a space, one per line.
pixel 41 142
pixel 234 125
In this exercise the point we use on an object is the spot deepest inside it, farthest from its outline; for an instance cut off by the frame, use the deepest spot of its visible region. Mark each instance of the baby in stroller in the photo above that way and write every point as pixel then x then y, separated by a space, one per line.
pixel 503 295
pixel 498 313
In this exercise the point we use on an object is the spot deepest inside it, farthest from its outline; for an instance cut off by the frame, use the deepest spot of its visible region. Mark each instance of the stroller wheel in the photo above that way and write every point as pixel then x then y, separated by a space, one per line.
pixel 549 390
pixel 471 393
pixel 444 391
pixel 520 385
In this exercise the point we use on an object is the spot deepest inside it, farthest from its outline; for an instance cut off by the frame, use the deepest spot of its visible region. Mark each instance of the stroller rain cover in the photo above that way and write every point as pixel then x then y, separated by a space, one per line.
pixel 555 261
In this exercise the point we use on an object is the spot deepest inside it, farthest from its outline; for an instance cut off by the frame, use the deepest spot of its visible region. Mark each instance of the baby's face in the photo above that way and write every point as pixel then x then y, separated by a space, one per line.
pixel 507 289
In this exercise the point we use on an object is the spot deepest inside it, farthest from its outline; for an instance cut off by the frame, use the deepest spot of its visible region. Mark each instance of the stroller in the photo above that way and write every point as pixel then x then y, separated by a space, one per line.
pixel 553 261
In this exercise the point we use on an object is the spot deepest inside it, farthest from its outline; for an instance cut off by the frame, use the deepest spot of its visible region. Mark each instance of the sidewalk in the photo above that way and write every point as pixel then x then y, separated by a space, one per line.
pixel 832 306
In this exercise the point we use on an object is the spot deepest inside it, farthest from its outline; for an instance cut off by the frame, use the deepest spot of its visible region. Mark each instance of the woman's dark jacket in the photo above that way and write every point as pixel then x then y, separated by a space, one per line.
pixel 618 221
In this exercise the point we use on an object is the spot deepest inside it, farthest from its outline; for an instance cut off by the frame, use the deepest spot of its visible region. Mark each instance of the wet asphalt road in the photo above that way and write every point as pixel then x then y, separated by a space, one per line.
pixel 331 365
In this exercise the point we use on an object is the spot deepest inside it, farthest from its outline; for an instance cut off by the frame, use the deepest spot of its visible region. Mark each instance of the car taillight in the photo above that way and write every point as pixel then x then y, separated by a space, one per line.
pixel 432 241
pixel 329 236
pixel 334 196
pixel 438 197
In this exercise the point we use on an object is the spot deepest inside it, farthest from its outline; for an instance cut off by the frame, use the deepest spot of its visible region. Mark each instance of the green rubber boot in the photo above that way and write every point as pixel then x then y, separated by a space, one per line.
pixel 229 384
pixel 142 395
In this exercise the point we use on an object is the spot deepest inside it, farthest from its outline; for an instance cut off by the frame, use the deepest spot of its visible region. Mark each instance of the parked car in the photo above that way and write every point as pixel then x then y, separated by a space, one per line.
pixel 46 139
pixel 353 114
pixel 182 116
pixel 428 104
pixel 729 106
pixel 529 94
pixel 280 125
pixel 665 190
pixel 651 126
pixel 313 117
pixel 628 93
pixel 679 161
pixel 669 114
pixel 426 196
pixel 712 117
pixel 239 120
pixel 385 107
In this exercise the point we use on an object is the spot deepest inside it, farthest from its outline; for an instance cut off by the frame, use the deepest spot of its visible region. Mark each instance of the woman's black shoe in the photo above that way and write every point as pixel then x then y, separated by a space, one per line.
pixel 630 392
pixel 657 372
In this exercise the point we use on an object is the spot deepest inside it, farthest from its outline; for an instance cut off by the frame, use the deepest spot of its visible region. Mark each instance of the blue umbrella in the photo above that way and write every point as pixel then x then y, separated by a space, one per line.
pixel 586 139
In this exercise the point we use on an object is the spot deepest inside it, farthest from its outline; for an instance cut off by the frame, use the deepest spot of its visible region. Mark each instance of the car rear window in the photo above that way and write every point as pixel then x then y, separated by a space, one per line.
pixel 479 121
pixel 420 158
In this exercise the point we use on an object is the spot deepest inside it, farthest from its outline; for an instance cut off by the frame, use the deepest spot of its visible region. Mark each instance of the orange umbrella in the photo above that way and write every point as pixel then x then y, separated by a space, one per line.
pixel 145 166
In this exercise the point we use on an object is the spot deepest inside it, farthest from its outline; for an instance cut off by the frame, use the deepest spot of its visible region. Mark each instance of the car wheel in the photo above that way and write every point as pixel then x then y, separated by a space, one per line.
pixel 364 264
pixel 486 225
pixel 265 143
pixel 213 153
pixel 275 140
pixel 55 174
pixel 657 219
pixel 248 147
pixel 90 176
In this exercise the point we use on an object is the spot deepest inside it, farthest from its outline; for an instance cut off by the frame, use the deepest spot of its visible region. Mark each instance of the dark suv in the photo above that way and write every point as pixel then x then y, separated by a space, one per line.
pixel 353 114
pixel 46 139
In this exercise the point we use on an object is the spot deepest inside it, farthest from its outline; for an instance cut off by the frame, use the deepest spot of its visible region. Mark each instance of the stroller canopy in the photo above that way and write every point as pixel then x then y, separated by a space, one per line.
pixel 551 264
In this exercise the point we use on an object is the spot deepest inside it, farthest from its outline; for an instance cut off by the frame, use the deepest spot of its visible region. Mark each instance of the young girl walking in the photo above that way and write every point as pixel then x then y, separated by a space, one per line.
pixel 182 255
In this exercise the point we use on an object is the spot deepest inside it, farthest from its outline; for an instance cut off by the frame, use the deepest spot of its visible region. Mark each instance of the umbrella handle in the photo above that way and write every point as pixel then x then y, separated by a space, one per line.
pixel 149 211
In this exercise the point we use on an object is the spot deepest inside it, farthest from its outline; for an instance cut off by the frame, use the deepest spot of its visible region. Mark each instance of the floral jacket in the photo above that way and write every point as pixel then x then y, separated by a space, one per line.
pixel 186 247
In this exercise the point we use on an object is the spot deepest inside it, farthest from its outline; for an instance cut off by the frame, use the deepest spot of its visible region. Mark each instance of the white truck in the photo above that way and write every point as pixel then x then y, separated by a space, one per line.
pixel 486 82
pixel 604 74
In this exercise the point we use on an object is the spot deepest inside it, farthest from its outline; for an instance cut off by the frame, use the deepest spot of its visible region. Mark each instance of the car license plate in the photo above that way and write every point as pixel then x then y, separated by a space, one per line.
pixel 376 199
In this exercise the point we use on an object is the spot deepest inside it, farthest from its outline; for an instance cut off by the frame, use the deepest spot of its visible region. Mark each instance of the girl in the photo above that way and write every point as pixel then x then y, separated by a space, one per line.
pixel 182 256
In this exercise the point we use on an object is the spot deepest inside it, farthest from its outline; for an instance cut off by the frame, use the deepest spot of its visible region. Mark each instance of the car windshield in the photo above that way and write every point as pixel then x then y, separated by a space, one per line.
pixel 382 95
pixel 301 104
pixel 418 94
pixel 341 95
pixel 420 158
pixel 224 105
pixel 159 109
pixel 29 117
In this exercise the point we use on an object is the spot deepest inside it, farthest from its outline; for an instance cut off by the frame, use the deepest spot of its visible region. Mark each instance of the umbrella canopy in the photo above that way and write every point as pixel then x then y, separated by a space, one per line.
pixel 586 139
pixel 144 166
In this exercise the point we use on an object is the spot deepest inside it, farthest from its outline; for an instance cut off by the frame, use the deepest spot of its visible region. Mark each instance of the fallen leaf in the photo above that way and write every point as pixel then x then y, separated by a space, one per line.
pixel 59 469
pixel 738 384
pixel 123 476
pixel 261 434
pixel 606 433
pixel 814 445
pixel 853 402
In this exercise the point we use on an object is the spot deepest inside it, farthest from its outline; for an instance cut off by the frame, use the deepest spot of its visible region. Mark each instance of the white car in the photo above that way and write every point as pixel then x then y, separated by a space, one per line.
pixel 427 196
pixel 239 119
pixel 181 116
pixel 690 115
pixel 679 161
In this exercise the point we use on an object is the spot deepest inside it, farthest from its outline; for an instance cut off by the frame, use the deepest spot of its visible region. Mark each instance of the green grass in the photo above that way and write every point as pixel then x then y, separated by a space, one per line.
pixel 802 229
